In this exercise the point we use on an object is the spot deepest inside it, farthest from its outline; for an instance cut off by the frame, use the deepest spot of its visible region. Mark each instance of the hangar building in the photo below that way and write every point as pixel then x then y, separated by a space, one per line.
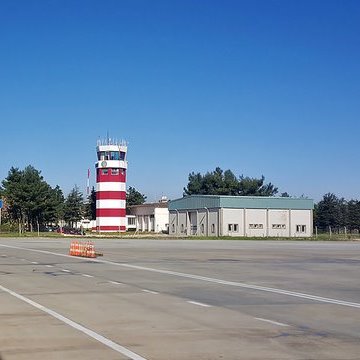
pixel 249 216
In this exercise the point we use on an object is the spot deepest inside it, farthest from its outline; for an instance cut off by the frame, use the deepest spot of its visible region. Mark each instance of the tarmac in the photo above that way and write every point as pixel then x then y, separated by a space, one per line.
pixel 180 299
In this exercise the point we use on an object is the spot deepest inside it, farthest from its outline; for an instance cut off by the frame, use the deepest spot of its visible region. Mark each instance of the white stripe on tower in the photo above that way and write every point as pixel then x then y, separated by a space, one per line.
pixel 110 204
pixel 110 186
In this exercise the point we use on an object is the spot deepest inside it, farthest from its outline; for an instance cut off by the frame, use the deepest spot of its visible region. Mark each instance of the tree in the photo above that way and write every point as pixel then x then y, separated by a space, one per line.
pixel 226 183
pixel 90 206
pixel 30 200
pixel 329 212
pixel 73 209
pixel 134 197
pixel 354 214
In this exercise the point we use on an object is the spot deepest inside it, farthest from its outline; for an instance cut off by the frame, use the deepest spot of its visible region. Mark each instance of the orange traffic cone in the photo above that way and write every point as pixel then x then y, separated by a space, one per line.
pixel 91 253
pixel 71 251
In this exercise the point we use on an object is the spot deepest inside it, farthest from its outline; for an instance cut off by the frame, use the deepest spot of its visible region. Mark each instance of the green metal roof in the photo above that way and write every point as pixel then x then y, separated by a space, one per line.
pixel 194 202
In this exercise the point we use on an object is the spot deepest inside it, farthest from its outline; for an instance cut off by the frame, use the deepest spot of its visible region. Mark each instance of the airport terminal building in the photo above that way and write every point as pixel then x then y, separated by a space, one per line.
pixel 248 216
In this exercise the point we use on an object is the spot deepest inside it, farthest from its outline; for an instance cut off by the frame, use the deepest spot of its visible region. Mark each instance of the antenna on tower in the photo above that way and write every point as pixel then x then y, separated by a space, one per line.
pixel 88 183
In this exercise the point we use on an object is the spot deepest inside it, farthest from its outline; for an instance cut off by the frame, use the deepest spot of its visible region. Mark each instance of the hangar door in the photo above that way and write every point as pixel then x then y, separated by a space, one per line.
pixel 193 223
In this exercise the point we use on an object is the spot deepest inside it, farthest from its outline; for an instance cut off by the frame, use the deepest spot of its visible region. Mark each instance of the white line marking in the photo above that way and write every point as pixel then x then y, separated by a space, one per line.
pixel 49 266
pixel 86 275
pixel 115 282
pixel 34 262
pixel 271 322
pixel 208 279
pixel 64 270
pixel 107 342
pixel 150 291
pixel 198 303
pixel 23 259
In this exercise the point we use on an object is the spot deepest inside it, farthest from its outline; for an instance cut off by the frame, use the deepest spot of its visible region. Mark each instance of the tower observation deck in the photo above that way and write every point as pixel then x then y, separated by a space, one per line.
pixel 111 166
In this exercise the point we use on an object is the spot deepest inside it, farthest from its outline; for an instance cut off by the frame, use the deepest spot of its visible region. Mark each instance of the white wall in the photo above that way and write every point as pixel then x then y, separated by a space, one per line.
pixel 278 223
pixel 233 216
pixel 161 219
pixel 301 217
pixel 286 222
pixel 255 217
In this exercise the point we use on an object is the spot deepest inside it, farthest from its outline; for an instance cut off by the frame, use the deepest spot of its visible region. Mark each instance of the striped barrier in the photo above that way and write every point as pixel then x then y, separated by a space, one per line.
pixel 82 249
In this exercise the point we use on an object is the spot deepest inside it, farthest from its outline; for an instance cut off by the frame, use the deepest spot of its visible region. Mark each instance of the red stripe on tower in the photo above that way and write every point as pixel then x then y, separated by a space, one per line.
pixel 111 169
pixel 108 195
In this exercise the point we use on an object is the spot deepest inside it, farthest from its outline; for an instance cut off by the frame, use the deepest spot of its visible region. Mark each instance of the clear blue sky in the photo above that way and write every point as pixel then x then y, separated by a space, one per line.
pixel 258 87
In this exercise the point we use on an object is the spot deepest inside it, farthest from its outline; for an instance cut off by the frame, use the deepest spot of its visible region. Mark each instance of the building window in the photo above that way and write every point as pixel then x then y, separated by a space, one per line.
pixel 213 228
pixel 300 228
pixel 131 221
pixel 114 171
pixel 104 171
pixel 233 227
pixel 278 226
pixel 255 226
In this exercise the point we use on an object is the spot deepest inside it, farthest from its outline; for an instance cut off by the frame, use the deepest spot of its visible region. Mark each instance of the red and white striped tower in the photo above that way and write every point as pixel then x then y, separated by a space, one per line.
pixel 111 186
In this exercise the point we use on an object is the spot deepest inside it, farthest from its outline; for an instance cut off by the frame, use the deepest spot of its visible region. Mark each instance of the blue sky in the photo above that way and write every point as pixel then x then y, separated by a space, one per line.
pixel 258 87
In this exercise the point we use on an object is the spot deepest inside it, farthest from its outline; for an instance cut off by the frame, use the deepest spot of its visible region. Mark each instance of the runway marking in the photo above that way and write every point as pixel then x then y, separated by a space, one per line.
pixel 207 279
pixel 102 339
pixel 49 266
pixel 150 291
pixel 115 282
pixel 34 262
pixel 86 275
pixel 64 270
pixel 271 322
pixel 198 303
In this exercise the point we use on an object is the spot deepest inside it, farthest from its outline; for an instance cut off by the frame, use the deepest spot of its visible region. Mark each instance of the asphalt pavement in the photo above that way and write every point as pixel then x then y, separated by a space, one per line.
pixel 180 299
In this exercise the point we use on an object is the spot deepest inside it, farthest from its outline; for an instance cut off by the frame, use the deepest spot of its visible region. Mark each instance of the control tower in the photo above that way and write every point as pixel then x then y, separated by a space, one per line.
pixel 111 168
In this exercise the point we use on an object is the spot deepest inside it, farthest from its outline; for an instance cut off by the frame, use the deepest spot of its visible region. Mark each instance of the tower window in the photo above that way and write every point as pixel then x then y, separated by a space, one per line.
pixel 104 171
pixel 114 155
pixel 114 171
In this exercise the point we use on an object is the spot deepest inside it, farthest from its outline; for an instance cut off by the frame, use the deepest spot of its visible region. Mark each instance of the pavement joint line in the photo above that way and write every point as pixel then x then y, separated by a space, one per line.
pixel 102 339
pixel 207 279
pixel 150 291
pixel 272 322
pixel 198 303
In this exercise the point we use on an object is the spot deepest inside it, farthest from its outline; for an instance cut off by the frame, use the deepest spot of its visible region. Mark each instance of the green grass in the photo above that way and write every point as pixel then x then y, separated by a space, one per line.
pixel 149 235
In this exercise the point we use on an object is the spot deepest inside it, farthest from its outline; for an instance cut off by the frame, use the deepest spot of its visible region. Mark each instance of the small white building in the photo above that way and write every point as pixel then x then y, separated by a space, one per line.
pixel 248 216
pixel 150 217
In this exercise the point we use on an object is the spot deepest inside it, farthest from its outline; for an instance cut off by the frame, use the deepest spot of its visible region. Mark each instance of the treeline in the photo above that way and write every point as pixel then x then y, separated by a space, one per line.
pixel 337 214
pixel 221 182
pixel 30 203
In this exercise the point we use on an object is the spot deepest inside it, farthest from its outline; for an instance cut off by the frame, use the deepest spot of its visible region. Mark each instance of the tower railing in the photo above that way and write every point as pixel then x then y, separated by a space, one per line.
pixel 110 141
